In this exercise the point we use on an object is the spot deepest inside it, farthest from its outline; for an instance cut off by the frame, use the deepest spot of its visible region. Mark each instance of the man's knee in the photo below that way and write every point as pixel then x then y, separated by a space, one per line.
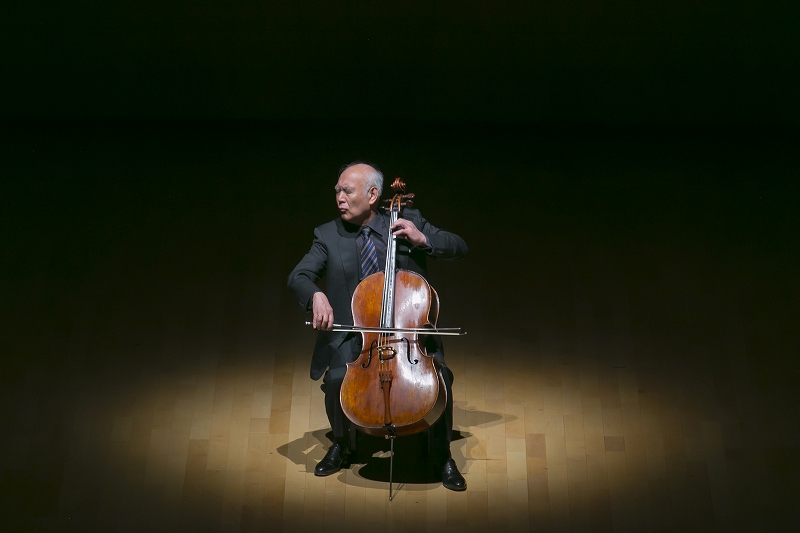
pixel 331 387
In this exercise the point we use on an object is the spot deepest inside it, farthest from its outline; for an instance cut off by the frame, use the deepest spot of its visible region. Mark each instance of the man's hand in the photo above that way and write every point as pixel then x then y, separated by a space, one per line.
pixel 408 231
pixel 323 312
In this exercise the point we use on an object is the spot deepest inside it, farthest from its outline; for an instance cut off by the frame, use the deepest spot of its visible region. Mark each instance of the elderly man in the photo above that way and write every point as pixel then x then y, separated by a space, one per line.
pixel 336 252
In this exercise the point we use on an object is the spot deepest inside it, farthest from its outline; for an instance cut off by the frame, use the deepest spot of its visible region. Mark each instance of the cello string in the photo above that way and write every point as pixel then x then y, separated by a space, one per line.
pixel 388 285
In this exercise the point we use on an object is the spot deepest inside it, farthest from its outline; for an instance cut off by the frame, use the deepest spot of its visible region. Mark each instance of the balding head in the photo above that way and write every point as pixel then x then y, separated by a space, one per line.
pixel 374 175
pixel 357 192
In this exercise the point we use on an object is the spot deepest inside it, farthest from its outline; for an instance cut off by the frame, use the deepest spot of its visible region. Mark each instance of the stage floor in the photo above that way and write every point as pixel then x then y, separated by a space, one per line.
pixel 204 421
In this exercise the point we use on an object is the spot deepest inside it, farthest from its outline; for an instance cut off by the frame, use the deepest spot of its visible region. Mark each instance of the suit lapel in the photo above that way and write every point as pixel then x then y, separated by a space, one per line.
pixel 348 253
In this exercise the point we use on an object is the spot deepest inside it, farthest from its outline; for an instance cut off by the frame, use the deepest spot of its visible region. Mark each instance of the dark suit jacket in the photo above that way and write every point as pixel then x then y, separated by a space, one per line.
pixel 334 254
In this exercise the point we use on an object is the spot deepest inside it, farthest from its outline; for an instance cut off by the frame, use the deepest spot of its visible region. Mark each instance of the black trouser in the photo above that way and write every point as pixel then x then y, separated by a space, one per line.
pixel 441 431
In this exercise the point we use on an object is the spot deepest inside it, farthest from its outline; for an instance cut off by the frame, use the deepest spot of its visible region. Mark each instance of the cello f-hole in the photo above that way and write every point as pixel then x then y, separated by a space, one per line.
pixel 369 360
pixel 408 352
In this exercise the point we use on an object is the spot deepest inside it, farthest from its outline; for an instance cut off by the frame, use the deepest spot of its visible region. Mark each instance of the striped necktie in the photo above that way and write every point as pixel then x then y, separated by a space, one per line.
pixel 368 256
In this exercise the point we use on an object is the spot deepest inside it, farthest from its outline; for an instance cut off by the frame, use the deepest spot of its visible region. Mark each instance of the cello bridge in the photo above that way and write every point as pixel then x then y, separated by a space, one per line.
pixel 386 352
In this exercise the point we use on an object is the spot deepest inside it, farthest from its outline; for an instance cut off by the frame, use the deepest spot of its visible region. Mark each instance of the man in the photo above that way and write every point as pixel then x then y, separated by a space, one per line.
pixel 346 250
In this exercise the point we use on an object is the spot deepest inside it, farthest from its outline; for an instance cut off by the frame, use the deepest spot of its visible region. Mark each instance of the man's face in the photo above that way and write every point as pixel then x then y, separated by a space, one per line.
pixel 354 202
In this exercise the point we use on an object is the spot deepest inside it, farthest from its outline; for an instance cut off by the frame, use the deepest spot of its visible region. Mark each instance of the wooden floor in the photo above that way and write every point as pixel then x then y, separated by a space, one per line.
pixel 642 388
pixel 207 421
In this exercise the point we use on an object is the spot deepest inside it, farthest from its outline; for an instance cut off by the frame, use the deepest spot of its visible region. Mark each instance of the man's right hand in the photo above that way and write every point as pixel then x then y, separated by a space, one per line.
pixel 323 312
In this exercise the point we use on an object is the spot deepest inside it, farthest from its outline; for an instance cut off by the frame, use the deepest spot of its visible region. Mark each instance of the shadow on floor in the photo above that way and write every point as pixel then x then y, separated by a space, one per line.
pixel 414 461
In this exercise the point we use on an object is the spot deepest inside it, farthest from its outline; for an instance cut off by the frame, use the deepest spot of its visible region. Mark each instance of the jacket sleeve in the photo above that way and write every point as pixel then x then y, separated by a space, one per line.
pixel 441 244
pixel 303 279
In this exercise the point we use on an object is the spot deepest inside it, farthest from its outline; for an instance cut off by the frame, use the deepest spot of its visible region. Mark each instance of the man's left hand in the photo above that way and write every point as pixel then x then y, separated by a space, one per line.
pixel 408 231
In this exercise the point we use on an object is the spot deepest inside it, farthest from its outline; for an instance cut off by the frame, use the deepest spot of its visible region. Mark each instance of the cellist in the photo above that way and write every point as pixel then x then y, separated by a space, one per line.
pixel 346 250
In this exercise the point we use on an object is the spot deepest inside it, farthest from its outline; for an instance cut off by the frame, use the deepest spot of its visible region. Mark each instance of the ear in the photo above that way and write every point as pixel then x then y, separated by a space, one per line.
pixel 373 196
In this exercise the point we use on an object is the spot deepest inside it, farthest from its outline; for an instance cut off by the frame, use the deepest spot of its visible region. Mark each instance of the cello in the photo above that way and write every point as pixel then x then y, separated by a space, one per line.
pixel 394 387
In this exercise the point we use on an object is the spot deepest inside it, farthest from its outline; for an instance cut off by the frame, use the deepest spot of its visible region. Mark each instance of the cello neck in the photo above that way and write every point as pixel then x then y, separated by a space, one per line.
pixel 397 202
pixel 387 307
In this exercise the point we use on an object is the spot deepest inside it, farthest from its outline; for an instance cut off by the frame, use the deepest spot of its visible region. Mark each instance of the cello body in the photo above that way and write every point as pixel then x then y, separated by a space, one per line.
pixel 394 387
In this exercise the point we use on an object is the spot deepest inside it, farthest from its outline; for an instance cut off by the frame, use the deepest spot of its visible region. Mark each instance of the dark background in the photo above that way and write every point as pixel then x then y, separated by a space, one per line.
pixel 684 62
pixel 153 151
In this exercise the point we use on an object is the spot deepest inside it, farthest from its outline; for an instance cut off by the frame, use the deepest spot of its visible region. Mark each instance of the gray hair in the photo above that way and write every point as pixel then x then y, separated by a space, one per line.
pixel 374 178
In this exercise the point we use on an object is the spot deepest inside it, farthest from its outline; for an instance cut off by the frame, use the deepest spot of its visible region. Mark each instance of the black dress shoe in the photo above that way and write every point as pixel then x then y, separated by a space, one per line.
pixel 452 478
pixel 333 461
